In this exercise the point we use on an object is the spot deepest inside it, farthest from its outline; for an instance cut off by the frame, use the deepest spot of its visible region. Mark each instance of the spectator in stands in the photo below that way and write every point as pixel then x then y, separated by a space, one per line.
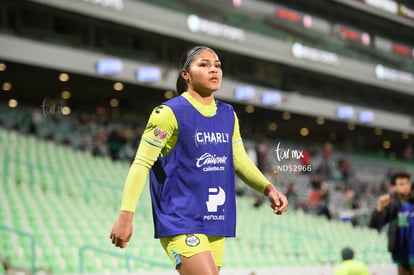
pixel 316 181
pixel 346 169
pixel 305 160
pixel 397 210
pixel 366 199
pixel 36 119
pixel 262 149
pixel 408 154
pixel 192 146
pixel 324 167
pixel 378 188
pixel 349 195
pixel 317 202
pixel 326 154
pixel 349 265
pixel 116 142
pixel 98 141
pixel 293 197
pixel 327 150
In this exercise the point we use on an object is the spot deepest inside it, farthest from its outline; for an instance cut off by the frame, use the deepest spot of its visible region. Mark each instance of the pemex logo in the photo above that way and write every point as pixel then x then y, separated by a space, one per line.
pixel 216 197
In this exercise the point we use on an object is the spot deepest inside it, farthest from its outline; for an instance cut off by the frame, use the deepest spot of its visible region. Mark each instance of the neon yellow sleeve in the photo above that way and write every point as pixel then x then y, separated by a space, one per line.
pixel 236 133
pixel 244 166
pixel 160 131
pixel 146 155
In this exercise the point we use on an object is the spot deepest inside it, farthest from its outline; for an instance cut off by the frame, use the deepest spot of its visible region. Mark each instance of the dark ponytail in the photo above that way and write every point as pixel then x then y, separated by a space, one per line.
pixel 181 85
pixel 188 56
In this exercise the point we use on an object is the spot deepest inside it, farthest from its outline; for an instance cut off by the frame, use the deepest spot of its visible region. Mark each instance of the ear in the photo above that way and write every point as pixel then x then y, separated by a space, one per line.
pixel 184 74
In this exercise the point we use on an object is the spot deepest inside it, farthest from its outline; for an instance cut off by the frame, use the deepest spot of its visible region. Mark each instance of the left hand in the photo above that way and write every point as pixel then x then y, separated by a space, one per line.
pixel 278 201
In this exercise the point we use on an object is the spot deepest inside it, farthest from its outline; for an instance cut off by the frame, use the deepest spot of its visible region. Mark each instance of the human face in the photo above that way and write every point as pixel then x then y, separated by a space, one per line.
pixel 204 74
pixel 402 187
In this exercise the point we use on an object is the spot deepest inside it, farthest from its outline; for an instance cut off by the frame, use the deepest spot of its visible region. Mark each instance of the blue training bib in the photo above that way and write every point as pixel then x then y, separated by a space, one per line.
pixel 192 187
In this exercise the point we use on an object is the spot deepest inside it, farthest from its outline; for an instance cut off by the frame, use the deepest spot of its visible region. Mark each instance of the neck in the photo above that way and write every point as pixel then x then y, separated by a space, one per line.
pixel 403 198
pixel 203 99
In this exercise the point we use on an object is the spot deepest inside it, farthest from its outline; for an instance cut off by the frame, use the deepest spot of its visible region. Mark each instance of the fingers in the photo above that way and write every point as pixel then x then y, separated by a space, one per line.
pixel 276 210
pixel 385 199
pixel 279 203
pixel 118 241
pixel 281 208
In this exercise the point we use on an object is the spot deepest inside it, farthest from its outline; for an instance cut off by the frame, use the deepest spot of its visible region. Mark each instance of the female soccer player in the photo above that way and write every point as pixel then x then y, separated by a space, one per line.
pixel 191 148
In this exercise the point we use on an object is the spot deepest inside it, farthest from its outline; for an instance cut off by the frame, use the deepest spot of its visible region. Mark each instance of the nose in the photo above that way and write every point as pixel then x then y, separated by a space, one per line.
pixel 213 69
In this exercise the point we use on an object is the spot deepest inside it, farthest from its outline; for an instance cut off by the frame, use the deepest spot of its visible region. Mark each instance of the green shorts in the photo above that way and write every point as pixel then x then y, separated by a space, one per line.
pixel 191 244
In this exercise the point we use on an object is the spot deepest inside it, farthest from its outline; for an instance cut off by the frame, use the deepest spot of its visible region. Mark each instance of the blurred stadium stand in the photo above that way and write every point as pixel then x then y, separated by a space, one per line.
pixel 79 78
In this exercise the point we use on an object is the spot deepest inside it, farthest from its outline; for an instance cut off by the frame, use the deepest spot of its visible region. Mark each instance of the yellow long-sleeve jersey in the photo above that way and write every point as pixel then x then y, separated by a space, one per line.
pixel 161 135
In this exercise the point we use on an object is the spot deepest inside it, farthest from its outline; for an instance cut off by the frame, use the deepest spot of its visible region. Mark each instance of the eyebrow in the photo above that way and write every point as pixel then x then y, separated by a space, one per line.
pixel 206 59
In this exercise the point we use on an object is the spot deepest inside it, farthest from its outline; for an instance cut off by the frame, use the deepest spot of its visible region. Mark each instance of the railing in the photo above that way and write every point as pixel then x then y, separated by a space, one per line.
pixel 32 244
pixel 126 257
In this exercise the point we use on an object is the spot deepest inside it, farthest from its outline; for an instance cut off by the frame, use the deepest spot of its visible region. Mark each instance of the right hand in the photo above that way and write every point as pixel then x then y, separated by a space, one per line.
pixel 122 230
pixel 278 201
pixel 383 201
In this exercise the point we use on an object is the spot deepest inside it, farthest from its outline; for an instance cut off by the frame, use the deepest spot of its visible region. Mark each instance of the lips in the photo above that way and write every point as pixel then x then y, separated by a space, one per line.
pixel 213 78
